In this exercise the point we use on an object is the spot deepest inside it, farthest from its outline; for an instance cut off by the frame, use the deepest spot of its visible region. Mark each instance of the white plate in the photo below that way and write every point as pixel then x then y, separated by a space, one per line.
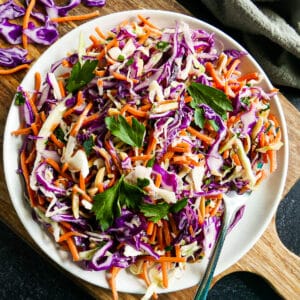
pixel 260 208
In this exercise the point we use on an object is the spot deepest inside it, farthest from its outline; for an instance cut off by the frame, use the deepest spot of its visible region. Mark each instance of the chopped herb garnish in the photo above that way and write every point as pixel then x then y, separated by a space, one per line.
pixel 143 182
pixel 150 162
pixel 259 165
pixel 132 135
pixel 207 202
pixel 59 133
pixel 215 98
pixel 19 99
pixel 88 145
pixel 266 108
pixel 121 58
pixel 129 61
pixel 169 248
pixel 245 100
pixel 162 45
pixel 268 128
pixel 81 75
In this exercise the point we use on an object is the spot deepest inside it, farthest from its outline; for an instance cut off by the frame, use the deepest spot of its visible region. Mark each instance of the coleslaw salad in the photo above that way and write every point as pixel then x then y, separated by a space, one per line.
pixel 140 127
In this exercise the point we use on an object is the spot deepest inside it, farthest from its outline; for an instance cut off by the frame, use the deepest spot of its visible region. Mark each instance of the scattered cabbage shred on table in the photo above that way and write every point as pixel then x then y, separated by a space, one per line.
pixel 131 143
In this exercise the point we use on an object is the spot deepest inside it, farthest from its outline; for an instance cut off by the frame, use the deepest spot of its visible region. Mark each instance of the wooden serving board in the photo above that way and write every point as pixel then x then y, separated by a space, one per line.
pixel 268 258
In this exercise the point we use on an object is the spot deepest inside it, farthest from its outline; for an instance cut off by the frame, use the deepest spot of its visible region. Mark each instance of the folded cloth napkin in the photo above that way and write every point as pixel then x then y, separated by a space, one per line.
pixel 271 33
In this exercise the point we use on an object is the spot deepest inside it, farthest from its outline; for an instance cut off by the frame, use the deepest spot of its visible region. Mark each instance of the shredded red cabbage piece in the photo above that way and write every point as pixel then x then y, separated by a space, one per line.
pixel 12 33
pixel 43 35
pixel 10 10
pixel 12 57
pixel 94 2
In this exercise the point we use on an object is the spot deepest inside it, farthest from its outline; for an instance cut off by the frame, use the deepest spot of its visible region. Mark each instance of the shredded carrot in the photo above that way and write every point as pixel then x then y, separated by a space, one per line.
pixel 150 228
pixel 272 159
pixel 81 181
pixel 79 101
pixel 76 18
pixel 208 140
pixel 22 131
pixel 158 180
pixel 100 33
pixel 141 157
pixel 62 88
pixel 164 274
pixel 69 234
pixel 166 232
pixel 232 68
pixel 56 141
pixel 26 178
pixel 147 22
pixel 112 43
pixel 123 77
pixel 73 249
pixel 14 70
pixel 212 72
pixel 112 281
pixel 80 120
pixel 248 76
pixel 216 208
pixel 170 259
pixel 53 164
pixel 26 21
pixel 153 236
pixel 236 159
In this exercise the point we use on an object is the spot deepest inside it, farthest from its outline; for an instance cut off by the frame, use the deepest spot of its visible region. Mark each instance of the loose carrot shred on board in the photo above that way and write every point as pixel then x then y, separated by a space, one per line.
pixel 14 70
pixel 26 21
pixel 76 18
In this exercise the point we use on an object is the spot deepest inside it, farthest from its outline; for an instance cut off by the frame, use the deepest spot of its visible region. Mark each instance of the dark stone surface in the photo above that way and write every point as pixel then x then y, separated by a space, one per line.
pixel 25 275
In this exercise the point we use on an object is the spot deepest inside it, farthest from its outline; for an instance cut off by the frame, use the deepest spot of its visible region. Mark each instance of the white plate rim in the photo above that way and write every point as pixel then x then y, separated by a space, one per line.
pixel 138 287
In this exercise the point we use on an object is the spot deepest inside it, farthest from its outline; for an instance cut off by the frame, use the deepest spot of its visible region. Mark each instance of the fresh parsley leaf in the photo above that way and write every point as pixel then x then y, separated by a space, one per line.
pixel 179 205
pixel 162 45
pixel 106 206
pixel 59 133
pixel 143 182
pixel 130 195
pixel 199 117
pixel 81 75
pixel 19 99
pixel 130 61
pixel 88 145
pixel 210 96
pixel 155 212
pixel 132 135
pixel 150 162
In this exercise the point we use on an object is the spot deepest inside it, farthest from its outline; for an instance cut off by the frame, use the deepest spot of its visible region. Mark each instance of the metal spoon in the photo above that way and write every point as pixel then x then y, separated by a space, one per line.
pixel 232 203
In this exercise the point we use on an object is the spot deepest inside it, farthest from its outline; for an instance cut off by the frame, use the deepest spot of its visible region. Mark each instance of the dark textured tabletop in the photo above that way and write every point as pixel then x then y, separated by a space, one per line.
pixel 25 275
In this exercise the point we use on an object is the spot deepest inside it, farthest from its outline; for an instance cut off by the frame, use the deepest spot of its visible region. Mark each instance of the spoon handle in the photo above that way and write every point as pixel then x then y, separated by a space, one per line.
pixel 204 286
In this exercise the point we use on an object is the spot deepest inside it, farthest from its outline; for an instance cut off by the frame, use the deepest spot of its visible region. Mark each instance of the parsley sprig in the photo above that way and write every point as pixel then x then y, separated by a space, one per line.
pixel 81 75
pixel 210 96
pixel 132 135
pixel 107 205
